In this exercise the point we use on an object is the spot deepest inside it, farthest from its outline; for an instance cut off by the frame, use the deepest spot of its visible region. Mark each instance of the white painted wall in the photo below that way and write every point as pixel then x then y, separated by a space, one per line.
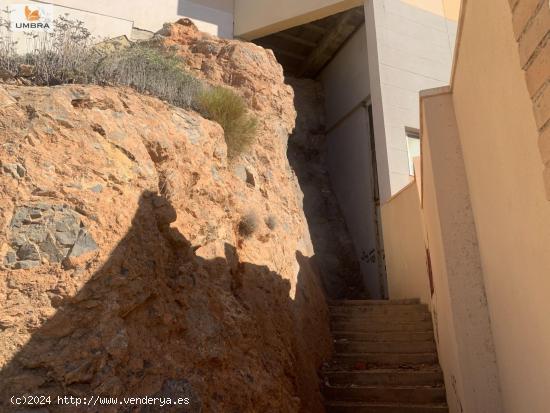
pixel 211 16
pixel 346 78
pixel 410 48
pixel 346 85
pixel 351 177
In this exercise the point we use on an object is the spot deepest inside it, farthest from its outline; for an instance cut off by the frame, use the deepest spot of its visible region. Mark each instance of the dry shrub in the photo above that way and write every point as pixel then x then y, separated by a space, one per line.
pixel 152 70
pixel 68 55
pixel 248 224
pixel 65 55
pixel 225 107
pixel 9 60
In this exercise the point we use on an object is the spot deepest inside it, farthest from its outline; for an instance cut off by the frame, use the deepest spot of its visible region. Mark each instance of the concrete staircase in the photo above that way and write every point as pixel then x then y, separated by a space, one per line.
pixel 385 359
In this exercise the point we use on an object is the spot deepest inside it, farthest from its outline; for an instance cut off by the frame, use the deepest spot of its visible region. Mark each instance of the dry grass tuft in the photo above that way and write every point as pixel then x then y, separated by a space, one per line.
pixel 225 107
pixel 249 224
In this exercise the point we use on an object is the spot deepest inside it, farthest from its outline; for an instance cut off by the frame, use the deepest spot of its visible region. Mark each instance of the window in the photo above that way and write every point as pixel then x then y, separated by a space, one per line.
pixel 413 147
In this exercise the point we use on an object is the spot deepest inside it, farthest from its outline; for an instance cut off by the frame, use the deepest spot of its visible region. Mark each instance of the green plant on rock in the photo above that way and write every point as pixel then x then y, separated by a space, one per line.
pixel 225 107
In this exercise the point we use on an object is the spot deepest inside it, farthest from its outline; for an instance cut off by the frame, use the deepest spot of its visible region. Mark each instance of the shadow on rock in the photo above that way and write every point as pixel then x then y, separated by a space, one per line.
pixel 157 320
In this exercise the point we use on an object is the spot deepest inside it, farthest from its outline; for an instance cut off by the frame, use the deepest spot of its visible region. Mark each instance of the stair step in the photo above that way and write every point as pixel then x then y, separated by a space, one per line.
pixel 379 309
pixel 376 326
pixel 356 361
pixel 406 336
pixel 361 407
pixel 407 301
pixel 349 346
pixel 378 316
pixel 420 395
pixel 390 377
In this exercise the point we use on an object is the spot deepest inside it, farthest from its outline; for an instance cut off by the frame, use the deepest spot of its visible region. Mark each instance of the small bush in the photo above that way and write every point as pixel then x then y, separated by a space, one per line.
pixel 248 225
pixel 225 107
pixel 271 222
pixel 65 55
pixel 152 70
pixel 9 60
pixel 68 55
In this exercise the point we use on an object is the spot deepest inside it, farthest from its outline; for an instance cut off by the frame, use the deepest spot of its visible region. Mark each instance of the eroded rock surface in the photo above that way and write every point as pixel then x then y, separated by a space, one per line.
pixel 46 233
pixel 140 283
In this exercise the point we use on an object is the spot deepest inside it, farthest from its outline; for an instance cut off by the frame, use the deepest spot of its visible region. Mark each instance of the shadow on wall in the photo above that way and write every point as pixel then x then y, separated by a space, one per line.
pixel 335 253
pixel 216 14
pixel 157 320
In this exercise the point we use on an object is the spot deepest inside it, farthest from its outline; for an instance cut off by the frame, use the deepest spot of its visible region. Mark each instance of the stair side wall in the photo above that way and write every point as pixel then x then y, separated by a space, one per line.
pixel 461 314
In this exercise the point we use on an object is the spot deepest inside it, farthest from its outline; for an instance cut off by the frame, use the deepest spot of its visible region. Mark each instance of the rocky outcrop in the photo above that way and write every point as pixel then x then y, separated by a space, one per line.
pixel 124 271
pixel 46 233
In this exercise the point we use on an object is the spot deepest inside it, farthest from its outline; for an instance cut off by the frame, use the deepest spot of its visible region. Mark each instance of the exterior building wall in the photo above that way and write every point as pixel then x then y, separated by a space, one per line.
pixel 346 79
pixel 486 119
pixel 473 382
pixel 351 178
pixel 404 246
pixel 531 23
pixel 106 19
pixel 444 325
pixel 499 135
pixel 346 84
pixel 411 45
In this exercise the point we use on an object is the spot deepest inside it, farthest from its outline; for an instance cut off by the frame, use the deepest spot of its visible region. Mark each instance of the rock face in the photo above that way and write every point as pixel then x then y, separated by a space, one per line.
pixel 123 269
pixel 42 233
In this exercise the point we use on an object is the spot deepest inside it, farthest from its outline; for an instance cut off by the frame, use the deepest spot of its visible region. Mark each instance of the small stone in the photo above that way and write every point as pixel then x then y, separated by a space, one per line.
pixel 84 243
pixel 50 249
pixel 97 188
pixel 21 171
pixel 42 206
pixel 66 238
pixel 20 215
pixel 75 185
pixel 215 173
pixel 16 170
pixel 25 265
pixel 240 172
pixel 10 257
pixel 37 233
pixel 18 239
pixel 35 213
pixel 28 251
pixel 67 223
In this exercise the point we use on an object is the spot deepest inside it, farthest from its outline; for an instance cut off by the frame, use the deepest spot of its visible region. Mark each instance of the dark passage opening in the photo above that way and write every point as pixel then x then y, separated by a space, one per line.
pixel 305 52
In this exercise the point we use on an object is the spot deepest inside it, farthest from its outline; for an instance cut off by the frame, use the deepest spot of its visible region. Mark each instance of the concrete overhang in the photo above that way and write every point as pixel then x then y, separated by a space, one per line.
pixel 259 18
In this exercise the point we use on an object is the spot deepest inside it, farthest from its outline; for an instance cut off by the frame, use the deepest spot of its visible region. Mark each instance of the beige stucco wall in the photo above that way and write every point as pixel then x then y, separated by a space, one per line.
pixel 404 246
pixel 257 18
pixel 460 304
pixel 531 22
pixel 442 315
pixel 499 140
pixel 105 17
